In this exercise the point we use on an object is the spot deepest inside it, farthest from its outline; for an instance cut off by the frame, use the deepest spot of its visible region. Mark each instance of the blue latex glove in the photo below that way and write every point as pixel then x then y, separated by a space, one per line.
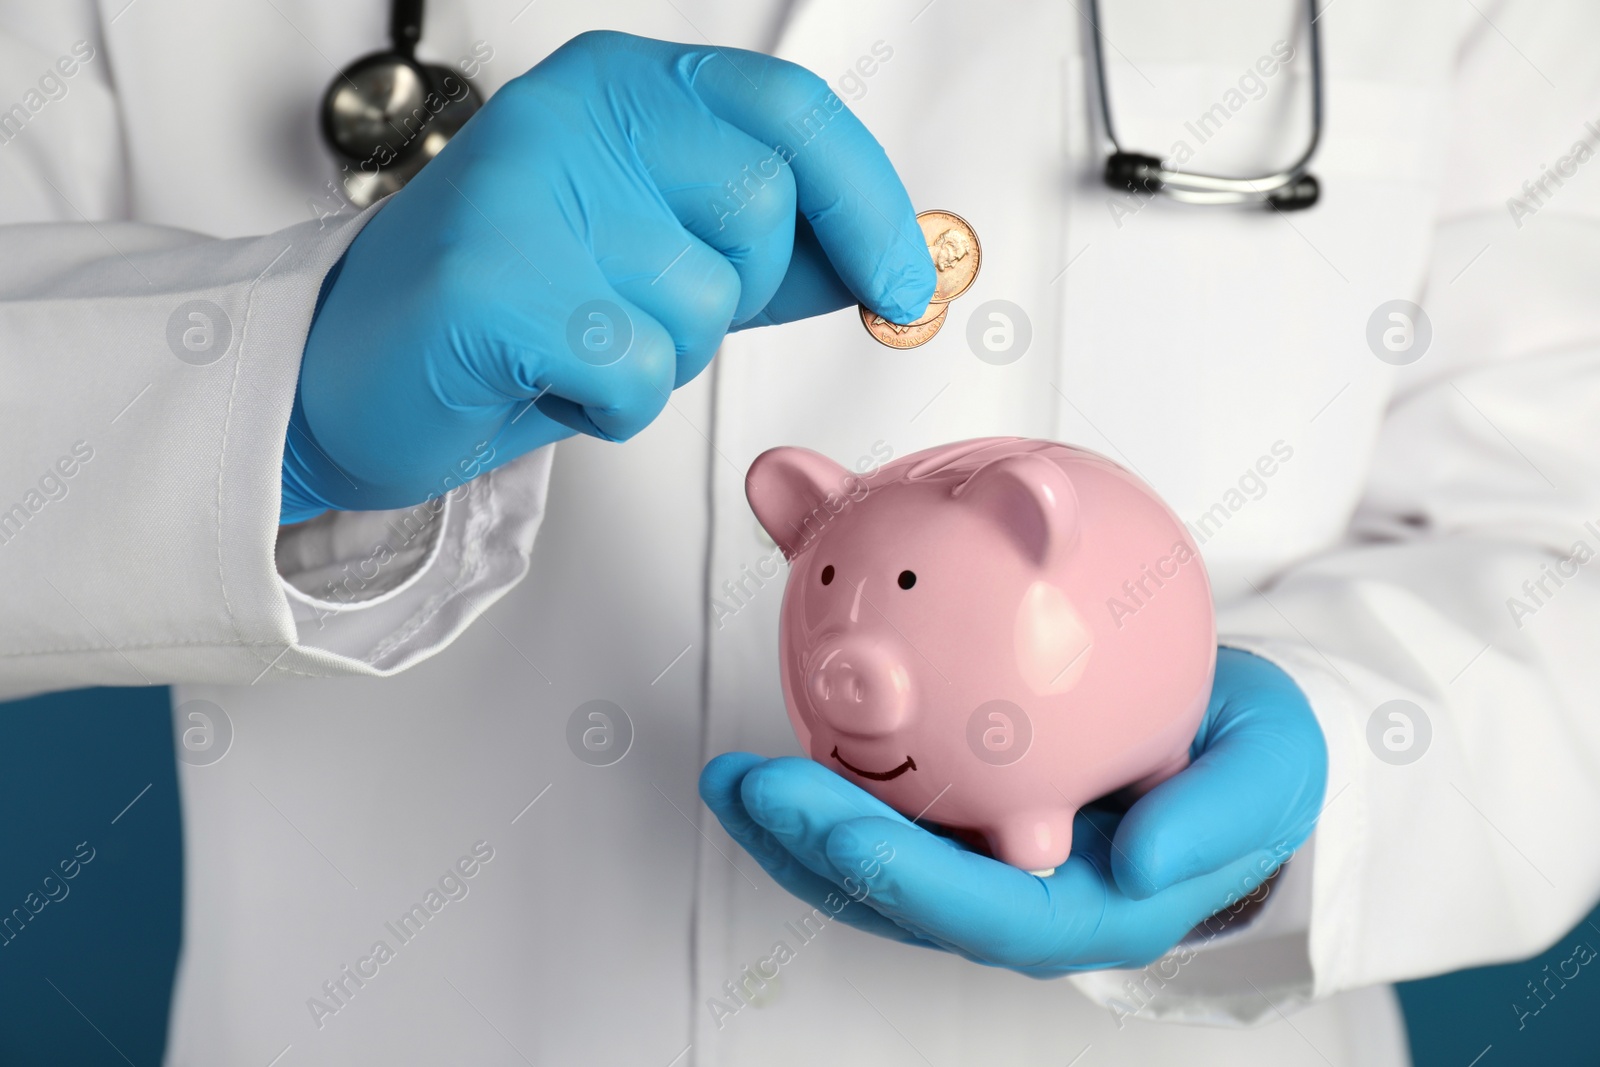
pixel 1133 886
pixel 583 244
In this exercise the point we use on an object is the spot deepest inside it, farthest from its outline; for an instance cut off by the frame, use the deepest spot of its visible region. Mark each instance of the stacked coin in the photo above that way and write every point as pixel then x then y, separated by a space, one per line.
pixel 953 246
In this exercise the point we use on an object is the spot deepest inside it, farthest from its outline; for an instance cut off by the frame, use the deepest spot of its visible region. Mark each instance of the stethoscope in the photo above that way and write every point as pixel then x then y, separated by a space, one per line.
pixel 386 114
pixel 1291 189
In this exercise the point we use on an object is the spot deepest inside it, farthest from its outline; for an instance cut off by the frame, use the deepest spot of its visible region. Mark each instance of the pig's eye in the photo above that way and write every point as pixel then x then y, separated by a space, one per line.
pixel 827 574
pixel 907 579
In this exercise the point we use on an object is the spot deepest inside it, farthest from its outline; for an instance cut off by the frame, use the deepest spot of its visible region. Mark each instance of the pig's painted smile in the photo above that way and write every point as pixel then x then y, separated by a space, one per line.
pixel 877 776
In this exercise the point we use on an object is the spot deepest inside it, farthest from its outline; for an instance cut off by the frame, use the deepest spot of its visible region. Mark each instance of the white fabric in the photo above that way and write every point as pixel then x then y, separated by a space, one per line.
pixel 1375 563
pixel 138 534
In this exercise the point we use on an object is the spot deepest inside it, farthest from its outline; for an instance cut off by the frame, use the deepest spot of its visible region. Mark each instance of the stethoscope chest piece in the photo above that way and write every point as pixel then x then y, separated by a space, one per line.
pixel 386 115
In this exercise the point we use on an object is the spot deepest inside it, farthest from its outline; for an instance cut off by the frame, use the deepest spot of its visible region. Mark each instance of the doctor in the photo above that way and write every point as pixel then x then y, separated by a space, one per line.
pixel 436 867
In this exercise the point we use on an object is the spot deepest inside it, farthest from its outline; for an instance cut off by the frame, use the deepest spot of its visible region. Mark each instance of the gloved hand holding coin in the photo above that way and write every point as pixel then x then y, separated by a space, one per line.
pixel 953 247
pixel 578 251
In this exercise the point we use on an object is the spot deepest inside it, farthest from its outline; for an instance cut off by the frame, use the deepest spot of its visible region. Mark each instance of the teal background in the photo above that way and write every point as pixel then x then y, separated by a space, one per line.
pixel 1456 1018
pixel 70 762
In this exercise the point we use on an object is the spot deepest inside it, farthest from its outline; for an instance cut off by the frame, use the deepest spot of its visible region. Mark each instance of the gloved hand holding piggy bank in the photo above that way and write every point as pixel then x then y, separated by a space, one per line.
pixel 988 634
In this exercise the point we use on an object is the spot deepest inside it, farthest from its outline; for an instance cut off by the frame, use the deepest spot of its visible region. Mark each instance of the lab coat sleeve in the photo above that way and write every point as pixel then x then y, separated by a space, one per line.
pixel 148 375
pixel 1458 826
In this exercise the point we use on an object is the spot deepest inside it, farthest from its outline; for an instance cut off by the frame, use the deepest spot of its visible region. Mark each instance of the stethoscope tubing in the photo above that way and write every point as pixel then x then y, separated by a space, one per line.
pixel 1130 169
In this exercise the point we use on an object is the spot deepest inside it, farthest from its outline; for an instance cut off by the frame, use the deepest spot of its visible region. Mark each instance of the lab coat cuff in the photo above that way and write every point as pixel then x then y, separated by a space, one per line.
pixel 375 592
pixel 353 593
pixel 174 363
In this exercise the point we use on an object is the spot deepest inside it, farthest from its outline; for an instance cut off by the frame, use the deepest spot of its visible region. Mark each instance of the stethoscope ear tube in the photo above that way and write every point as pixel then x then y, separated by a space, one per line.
pixel 1134 173
pixel 1298 195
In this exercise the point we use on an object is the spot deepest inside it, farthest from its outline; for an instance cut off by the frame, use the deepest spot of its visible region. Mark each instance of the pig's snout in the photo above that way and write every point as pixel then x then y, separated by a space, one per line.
pixel 859 686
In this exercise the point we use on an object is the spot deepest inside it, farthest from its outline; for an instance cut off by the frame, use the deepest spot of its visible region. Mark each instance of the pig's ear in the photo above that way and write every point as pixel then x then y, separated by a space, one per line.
pixel 1032 501
pixel 787 488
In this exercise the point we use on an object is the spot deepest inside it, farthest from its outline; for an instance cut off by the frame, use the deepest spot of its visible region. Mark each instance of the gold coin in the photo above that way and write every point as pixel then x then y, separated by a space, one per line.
pixel 909 335
pixel 953 244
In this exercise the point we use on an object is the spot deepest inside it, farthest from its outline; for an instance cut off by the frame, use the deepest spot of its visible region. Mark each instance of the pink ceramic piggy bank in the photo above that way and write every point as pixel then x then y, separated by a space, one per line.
pixel 989 634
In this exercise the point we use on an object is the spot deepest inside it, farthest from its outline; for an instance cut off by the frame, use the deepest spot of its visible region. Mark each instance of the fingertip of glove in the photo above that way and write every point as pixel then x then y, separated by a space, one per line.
pixel 911 297
pixel 758 790
pixel 720 778
pixel 847 839
pixel 1140 870
pixel 1134 884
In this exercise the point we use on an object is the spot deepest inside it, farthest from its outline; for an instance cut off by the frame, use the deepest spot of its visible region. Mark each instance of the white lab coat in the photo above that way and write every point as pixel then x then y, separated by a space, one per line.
pixel 1374 564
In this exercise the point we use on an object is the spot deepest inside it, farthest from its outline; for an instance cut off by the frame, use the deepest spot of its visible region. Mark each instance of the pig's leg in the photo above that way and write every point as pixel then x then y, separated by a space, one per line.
pixel 1037 842
pixel 1161 774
